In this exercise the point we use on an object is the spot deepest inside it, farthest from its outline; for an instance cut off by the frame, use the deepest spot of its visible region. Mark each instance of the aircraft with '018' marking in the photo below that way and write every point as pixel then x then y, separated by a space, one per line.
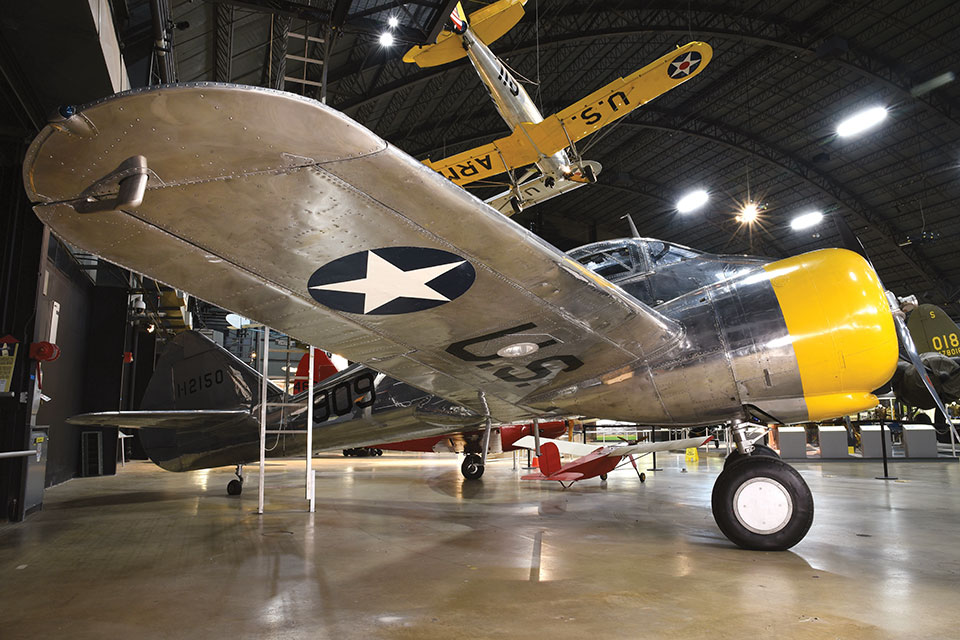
pixel 547 143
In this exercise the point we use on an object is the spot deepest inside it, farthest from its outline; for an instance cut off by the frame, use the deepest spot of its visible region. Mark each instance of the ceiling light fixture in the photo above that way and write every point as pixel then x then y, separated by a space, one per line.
pixel 861 121
pixel 806 220
pixel 394 22
pixel 749 213
pixel 692 201
pixel 386 39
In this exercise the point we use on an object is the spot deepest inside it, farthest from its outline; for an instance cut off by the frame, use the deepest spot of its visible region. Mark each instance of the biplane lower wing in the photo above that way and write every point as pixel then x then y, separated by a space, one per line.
pixel 530 142
pixel 321 230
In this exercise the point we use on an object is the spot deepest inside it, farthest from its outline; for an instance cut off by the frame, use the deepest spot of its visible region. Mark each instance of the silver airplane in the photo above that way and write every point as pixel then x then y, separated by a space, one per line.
pixel 547 143
pixel 292 214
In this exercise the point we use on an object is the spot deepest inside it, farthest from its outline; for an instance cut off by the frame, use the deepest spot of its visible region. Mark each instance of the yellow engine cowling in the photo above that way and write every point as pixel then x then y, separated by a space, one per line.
pixel 840 326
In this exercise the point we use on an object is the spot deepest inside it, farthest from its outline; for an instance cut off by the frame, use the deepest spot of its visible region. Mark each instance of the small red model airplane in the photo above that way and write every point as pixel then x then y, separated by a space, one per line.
pixel 594 461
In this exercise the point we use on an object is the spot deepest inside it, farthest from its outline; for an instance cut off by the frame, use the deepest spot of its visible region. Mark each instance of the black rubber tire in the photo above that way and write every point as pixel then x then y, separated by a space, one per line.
pixel 643 477
pixel 760 450
pixel 472 467
pixel 234 488
pixel 515 205
pixel 724 509
pixel 603 477
pixel 588 174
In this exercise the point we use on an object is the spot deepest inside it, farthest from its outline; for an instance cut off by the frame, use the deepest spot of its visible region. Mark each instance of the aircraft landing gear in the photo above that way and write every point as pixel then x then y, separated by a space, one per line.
pixel 762 503
pixel 515 205
pixel 758 450
pixel 235 487
pixel 472 467
pixel 587 172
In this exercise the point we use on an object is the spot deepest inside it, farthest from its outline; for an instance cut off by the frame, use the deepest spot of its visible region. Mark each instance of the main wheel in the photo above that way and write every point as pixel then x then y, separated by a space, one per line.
pixel 603 477
pixel 588 174
pixel 758 450
pixel 763 504
pixel 234 487
pixel 472 467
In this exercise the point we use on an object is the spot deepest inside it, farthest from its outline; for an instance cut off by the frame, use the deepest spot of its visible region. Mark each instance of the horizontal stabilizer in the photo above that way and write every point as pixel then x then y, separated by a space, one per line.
pixel 564 476
pixel 487 25
pixel 157 419
pixel 563 446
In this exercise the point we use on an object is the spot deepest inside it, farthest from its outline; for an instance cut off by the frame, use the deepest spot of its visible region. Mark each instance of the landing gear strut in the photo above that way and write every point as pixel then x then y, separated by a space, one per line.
pixel 759 501
pixel 235 487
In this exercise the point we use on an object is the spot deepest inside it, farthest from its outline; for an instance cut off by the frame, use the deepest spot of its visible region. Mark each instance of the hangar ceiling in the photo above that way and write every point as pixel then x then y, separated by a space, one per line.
pixel 757 125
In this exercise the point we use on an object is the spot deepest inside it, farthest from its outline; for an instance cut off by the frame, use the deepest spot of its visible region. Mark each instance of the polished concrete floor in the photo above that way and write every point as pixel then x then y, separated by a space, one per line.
pixel 402 547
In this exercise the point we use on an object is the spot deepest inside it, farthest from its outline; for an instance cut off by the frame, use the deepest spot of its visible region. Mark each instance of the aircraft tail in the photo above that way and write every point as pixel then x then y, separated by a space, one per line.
pixel 549 458
pixel 195 373
pixel 487 25
pixel 322 369
pixel 933 330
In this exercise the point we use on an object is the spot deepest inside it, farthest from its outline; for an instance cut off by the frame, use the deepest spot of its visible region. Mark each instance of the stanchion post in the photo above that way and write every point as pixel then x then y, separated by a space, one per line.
pixel 653 439
pixel 883 449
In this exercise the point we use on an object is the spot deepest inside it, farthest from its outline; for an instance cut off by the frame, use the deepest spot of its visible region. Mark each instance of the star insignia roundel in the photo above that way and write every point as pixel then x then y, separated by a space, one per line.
pixel 684 65
pixel 391 280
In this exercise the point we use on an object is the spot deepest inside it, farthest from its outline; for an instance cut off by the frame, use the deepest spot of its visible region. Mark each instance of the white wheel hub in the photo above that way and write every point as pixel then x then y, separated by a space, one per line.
pixel 762 505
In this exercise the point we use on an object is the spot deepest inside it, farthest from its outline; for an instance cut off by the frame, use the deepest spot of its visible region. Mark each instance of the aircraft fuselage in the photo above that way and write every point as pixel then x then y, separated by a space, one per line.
pixel 511 99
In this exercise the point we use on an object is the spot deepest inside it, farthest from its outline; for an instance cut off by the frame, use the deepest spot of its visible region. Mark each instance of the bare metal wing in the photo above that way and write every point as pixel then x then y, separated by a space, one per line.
pixel 292 214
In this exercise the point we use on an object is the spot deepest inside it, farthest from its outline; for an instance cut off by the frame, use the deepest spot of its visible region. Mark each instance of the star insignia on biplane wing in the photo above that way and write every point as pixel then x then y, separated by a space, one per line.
pixel 392 280
pixel 684 65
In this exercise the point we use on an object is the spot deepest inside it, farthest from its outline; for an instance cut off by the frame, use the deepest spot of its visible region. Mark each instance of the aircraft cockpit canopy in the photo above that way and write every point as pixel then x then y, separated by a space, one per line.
pixel 654 271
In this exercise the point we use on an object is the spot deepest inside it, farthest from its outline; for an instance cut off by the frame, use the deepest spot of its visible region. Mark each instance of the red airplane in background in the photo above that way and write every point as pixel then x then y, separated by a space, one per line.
pixel 594 461
pixel 468 442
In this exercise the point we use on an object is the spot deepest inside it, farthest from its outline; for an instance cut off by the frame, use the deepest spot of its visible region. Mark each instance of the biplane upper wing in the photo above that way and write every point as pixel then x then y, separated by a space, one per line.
pixel 290 213
pixel 529 142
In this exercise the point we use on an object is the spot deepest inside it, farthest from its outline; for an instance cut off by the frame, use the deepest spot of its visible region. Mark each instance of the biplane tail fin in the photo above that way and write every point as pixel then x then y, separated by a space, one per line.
pixel 486 24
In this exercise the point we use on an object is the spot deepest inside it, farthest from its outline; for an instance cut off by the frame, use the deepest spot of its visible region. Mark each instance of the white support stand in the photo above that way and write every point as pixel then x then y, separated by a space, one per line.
pixel 312 489
pixel 309 471
pixel 265 359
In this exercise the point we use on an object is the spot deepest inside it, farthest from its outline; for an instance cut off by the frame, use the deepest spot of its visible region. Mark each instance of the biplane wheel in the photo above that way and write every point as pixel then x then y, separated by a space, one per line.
pixel 472 467
pixel 603 477
pixel 758 450
pixel 550 183
pixel 587 172
pixel 515 205
pixel 234 488
pixel 762 504
pixel 643 477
